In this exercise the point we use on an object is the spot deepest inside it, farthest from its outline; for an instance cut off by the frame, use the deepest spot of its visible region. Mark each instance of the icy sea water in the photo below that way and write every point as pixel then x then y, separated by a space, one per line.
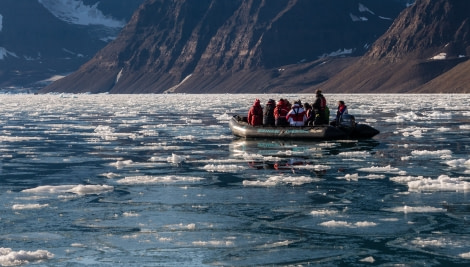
pixel 158 180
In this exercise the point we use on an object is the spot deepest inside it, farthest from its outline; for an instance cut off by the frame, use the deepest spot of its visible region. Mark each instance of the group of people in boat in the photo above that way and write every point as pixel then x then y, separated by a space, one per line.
pixel 283 113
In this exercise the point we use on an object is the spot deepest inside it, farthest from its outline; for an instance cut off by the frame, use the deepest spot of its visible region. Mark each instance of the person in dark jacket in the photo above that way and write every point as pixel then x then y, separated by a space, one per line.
pixel 268 116
pixel 255 114
pixel 342 109
pixel 309 113
pixel 319 106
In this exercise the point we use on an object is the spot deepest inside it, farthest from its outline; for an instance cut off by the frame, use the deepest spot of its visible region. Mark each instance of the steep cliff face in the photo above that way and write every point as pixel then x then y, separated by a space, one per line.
pixel 232 46
pixel 426 28
pixel 426 41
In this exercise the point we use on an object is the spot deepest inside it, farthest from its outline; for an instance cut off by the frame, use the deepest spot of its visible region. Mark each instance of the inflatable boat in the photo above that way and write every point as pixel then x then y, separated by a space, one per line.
pixel 348 129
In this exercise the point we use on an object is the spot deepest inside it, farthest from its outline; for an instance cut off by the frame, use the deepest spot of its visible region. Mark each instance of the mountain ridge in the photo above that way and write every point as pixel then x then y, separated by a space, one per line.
pixel 237 46
pixel 240 46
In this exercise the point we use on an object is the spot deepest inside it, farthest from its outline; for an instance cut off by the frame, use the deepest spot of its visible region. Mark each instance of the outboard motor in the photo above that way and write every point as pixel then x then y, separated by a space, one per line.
pixel 347 120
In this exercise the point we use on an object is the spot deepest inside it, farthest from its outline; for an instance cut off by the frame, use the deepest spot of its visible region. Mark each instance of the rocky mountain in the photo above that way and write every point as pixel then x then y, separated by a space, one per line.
pixel 425 50
pixel 43 38
pixel 236 46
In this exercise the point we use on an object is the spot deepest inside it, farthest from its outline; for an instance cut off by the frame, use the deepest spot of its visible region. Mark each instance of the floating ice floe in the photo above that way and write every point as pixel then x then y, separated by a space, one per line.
pixel 75 189
pixel 454 246
pixel 334 223
pixel 186 137
pixel 180 226
pixel 168 179
pixel 422 209
pixel 311 167
pixel 122 163
pixel 279 180
pixel 459 163
pixel 416 133
pixel 176 159
pixel 465 255
pixel 386 169
pixel 442 183
pixel 282 243
pixel 443 129
pixel 130 214
pixel 369 259
pixel 8 257
pixel 438 115
pixel 19 138
pixel 405 179
pixel 223 168
pixel 352 154
pixel 251 156
pixel 323 212
pixel 351 177
pixel 214 243
pixel 193 121
pixel 355 177
pixel 29 206
pixel 444 153
pixel 223 117
pixel 105 132
pixel 110 175
pixel 218 137
pixel 402 117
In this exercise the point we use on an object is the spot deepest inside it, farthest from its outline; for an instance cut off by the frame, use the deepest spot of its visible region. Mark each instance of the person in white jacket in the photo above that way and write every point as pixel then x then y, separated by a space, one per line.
pixel 296 116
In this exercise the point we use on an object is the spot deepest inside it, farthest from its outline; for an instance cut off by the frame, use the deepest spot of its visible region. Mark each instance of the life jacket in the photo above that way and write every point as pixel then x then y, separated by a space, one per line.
pixel 280 111
pixel 343 109
pixel 296 116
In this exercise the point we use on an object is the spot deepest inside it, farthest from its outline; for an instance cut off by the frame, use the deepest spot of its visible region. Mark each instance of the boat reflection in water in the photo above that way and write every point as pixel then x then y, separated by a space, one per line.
pixel 293 155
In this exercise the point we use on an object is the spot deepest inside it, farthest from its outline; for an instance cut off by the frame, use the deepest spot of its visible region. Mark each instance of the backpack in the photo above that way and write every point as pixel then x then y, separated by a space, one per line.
pixel 268 118
pixel 269 108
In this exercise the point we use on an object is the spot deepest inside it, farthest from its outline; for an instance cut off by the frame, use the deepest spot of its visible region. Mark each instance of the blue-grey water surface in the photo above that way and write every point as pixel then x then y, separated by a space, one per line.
pixel 158 180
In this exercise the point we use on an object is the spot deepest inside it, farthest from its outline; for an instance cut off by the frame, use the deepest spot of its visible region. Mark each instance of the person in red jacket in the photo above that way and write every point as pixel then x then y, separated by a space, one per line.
pixel 255 114
pixel 296 116
pixel 280 113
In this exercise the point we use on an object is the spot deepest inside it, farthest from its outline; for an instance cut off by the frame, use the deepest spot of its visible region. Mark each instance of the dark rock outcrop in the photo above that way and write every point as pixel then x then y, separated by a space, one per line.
pixel 233 46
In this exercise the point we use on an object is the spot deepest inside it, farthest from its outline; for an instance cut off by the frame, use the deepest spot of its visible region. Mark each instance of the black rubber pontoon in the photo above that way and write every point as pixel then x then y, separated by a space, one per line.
pixel 240 127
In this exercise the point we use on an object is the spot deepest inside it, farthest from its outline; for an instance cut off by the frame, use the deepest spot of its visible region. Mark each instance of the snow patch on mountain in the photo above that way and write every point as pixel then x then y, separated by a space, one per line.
pixel 337 53
pixel 357 18
pixel 4 53
pixel 76 12
pixel 363 8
